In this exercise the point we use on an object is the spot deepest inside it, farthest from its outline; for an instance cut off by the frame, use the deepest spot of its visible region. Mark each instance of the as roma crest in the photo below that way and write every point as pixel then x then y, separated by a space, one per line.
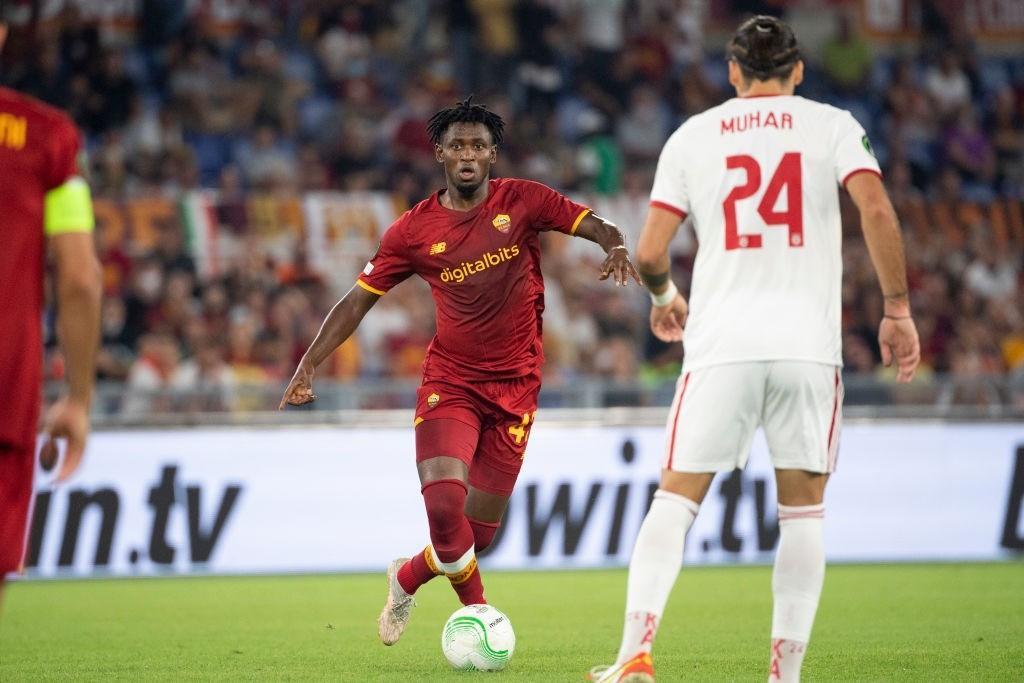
pixel 502 222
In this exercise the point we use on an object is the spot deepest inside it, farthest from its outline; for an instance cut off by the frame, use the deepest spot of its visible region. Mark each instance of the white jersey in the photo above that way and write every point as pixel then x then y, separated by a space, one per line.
pixel 760 177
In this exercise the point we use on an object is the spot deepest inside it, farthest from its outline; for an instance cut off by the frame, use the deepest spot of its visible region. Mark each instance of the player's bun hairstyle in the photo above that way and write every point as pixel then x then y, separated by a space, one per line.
pixel 465 112
pixel 765 48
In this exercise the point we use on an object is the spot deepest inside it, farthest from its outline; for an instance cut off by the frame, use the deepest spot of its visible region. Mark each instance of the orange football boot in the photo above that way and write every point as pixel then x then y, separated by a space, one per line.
pixel 638 669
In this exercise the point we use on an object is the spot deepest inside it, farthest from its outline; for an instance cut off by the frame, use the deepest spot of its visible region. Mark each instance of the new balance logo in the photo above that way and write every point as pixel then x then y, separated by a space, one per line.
pixel 437 248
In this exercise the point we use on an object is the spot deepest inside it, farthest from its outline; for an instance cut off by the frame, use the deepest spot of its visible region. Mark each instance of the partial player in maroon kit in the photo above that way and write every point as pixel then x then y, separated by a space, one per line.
pixel 44 207
pixel 476 243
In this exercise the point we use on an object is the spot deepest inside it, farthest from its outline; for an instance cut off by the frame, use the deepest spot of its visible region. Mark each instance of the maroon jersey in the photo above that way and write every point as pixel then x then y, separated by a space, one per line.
pixel 483 268
pixel 38 150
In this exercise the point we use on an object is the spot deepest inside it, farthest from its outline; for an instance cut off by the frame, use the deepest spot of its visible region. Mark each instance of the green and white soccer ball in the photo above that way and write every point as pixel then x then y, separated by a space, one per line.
pixel 478 637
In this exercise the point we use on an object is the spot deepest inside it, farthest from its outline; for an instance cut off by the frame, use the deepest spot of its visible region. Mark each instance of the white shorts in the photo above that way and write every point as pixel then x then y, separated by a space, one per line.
pixel 717 409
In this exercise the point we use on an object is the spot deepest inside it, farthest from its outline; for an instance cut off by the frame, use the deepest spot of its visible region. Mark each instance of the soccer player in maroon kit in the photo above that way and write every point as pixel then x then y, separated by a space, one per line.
pixel 44 206
pixel 477 245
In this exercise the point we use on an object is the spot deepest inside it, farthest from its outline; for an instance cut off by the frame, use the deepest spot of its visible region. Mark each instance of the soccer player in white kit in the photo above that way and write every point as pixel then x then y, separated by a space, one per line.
pixel 759 175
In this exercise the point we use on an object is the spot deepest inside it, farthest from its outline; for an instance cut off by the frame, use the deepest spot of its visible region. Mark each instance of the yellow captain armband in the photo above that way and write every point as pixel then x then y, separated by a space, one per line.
pixel 68 208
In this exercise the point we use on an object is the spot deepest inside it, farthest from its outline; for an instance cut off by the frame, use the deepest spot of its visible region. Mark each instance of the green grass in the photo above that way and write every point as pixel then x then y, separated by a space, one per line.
pixel 902 622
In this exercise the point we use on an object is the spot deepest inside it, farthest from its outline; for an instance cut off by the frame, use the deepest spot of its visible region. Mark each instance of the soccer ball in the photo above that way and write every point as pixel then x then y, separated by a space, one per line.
pixel 478 638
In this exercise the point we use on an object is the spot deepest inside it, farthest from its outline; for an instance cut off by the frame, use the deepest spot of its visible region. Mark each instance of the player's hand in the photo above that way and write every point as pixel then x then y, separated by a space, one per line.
pixel 617 263
pixel 68 419
pixel 667 322
pixel 300 389
pixel 897 338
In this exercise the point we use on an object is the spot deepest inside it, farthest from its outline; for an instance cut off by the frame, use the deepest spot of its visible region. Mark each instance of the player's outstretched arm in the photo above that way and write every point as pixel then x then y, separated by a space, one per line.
pixel 669 308
pixel 339 325
pixel 616 263
pixel 79 287
pixel 897 335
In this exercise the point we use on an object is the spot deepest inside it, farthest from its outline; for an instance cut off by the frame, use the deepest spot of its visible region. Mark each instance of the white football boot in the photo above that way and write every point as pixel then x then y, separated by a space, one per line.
pixel 395 615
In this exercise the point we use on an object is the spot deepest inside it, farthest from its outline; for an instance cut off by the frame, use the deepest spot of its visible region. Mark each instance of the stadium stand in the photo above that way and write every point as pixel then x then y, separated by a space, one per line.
pixel 243 113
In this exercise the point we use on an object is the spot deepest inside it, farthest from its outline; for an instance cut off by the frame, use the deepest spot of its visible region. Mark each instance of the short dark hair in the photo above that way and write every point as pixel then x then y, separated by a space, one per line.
pixel 465 112
pixel 764 47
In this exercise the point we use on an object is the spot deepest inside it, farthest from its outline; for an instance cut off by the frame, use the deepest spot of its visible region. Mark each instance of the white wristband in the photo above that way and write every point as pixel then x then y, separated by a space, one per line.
pixel 666 297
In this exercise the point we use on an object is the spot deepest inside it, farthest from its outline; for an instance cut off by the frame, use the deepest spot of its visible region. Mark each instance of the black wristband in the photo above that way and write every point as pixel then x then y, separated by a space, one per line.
pixel 651 280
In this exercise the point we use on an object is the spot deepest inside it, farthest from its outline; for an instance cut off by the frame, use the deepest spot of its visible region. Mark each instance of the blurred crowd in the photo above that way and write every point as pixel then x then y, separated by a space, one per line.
pixel 279 97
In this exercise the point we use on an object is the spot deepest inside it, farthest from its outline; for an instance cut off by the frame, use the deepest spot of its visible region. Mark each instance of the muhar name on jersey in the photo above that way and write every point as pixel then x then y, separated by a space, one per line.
pixel 486 260
pixel 756 119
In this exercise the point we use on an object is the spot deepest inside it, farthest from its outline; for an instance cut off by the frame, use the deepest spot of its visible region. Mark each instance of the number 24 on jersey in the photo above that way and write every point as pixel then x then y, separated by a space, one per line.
pixel 787 177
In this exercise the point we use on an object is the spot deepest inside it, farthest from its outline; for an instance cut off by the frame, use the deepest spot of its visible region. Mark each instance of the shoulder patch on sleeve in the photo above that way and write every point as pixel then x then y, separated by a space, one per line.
pixel 867 145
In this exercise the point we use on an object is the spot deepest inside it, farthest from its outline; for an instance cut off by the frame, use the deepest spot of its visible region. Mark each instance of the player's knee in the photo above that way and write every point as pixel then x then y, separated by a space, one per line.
pixel 445 501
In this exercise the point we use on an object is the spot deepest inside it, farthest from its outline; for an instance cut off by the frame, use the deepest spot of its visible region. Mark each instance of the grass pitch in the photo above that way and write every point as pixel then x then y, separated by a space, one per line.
pixel 891 623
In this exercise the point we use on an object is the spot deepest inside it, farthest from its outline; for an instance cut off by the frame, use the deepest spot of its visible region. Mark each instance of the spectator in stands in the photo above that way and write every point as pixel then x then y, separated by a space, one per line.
pixel 600 28
pixel 1008 143
pixel 266 91
pixel 142 298
pixel 344 48
pixel 410 144
pixel 170 247
pixel 948 85
pixel 496 44
pixel 969 151
pixel 910 126
pixel 642 130
pixel 115 356
pixel 113 92
pixel 46 78
pixel 150 376
pixel 268 160
pixel 539 69
pixel 314 176
pixel 992 275
pixel 241 349
pixel 846 57
pixel 214 310
pixel 356 159
pixel 204 382
pixel 616 359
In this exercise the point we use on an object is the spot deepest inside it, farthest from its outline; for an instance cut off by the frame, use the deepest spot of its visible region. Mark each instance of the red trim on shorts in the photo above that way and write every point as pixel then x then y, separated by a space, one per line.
pixel 860 170
pixel 832 425
pixel 668 207
pixel 675 422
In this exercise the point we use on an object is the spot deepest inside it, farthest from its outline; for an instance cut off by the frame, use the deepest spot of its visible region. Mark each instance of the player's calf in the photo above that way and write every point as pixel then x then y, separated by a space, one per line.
pixel 483 533
pixel 796 587
pixel 452 538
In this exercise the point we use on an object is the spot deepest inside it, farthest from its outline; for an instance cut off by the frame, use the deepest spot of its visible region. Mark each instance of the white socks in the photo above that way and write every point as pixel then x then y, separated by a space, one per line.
pixel 796 586
pixel 796 582
pixel 657 558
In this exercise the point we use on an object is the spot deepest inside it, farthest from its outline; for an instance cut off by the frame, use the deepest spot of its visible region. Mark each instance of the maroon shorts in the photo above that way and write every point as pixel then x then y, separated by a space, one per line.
pixel 484 424
pixel 17 466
